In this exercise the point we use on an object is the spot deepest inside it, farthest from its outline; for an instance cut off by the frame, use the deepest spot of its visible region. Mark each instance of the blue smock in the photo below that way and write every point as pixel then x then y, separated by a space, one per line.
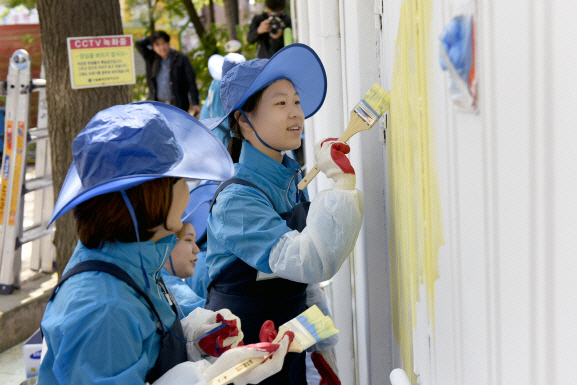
pixel 213 108
pixel 243 223
pixel 186 299
pixel 98 329
pixel 200 280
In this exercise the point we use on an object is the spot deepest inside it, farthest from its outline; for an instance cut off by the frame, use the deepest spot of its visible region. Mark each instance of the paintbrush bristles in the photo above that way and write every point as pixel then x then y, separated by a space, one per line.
pixel 312 313
pixel 319 325
pixel 364 116
pixel 378 99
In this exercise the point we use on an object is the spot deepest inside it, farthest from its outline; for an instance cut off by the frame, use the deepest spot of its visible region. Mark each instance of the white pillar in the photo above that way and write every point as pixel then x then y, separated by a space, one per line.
pixel 361 27
pixel 330 122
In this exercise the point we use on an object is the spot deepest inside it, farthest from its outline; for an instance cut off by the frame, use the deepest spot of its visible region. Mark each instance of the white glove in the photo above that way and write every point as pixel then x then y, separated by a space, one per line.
pixel 237 355
pixel 189 373
pixel 332 160
pixel 201 321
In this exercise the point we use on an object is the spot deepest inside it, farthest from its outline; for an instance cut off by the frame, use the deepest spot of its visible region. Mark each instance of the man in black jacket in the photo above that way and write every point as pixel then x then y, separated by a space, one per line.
pixel 169 74
pixel 260 29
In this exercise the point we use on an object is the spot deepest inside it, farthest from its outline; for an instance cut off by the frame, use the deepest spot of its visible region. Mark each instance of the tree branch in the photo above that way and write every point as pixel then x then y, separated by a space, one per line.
pixel 194 18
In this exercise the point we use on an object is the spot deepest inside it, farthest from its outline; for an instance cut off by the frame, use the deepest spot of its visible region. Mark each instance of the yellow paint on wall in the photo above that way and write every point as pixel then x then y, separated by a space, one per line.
pixel 414 203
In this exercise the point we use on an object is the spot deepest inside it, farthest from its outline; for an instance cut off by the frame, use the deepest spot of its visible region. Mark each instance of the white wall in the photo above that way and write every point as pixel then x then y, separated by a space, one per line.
pixel 360 290
pixel 504 306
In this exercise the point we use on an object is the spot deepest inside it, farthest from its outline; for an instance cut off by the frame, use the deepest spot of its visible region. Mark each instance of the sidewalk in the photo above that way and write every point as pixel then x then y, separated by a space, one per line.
pixel 12 366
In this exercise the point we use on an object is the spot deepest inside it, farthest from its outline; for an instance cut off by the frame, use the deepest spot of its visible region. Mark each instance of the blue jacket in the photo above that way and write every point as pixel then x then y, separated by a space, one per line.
pixel 213 108
pixel 243 223
pixel 200 280
pixel 186 299
pixel 98 329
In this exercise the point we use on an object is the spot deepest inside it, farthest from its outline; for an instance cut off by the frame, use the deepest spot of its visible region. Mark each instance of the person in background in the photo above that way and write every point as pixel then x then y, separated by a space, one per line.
pixel 267 28
pixel 169 74
pixel 218 66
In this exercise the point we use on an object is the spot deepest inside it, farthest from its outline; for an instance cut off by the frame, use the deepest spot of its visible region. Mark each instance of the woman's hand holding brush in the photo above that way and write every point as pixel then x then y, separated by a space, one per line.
pixel 332 160
pixel 262 361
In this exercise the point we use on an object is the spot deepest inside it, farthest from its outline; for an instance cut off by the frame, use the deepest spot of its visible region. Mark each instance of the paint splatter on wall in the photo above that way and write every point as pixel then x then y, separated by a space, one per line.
pixel 414 204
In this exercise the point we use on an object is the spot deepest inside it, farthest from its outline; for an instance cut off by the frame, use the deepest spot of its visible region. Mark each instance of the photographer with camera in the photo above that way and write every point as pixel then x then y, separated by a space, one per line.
pixel 267 28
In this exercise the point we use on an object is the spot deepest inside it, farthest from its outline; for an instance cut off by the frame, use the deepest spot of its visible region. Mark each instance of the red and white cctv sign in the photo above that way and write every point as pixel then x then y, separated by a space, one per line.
pixel 99 61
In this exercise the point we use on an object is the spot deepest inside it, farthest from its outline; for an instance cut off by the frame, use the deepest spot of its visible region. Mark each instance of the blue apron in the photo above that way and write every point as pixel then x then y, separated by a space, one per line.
pixel 255 301
pixel 172 348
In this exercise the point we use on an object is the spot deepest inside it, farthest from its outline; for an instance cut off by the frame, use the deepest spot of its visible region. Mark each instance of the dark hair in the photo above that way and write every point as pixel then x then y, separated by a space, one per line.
pixel 105 218
pixel 275 5
pixel 235 144
pixel 159 35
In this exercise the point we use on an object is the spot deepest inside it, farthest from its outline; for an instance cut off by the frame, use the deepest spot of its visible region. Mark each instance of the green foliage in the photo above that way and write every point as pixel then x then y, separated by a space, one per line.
pixel 179 9
pixel 216 37
pixel 140 89
pixel 175 7
pixel 30 4
pixel 248 50
pixel 198 4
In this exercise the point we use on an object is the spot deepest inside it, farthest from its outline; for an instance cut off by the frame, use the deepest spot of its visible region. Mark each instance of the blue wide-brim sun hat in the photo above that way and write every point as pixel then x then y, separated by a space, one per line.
pixel 296 62
pixel 126 145
pixel 199 206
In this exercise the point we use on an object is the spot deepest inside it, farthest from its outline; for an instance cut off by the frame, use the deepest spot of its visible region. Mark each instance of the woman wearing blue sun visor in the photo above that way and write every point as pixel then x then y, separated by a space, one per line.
pixel 266 241
pixel 110 319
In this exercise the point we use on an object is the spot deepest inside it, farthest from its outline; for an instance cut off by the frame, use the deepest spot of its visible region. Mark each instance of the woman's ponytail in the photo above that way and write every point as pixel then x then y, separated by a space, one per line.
pixel 235 144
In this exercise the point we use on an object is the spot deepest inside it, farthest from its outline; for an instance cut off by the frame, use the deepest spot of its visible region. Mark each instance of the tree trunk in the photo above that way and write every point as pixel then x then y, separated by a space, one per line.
pixel 151 8
pixel 194 18
pixel 70 110
pixel 231 8
pixel 211 11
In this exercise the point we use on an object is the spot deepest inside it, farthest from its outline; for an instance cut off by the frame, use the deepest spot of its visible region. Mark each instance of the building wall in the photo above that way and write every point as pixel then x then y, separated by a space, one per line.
pixel 463 272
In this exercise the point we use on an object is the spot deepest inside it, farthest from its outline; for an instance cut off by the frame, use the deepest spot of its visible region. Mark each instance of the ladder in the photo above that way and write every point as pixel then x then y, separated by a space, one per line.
pixel 13 185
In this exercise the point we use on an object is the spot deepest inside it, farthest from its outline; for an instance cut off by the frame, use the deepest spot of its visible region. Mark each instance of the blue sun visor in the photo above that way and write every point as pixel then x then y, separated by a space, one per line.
pixel 296 62
pixel 126 145
pixel 198 207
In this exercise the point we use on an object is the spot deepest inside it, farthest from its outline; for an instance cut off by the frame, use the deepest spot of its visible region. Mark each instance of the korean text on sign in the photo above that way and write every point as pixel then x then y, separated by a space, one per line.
pixel 101 61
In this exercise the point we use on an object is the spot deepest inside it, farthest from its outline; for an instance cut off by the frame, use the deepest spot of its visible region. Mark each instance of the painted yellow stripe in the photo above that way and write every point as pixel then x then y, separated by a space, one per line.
pixel 414 203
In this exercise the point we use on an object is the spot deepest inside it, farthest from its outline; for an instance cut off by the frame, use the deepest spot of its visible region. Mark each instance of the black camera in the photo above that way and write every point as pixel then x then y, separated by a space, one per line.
pixel 275 25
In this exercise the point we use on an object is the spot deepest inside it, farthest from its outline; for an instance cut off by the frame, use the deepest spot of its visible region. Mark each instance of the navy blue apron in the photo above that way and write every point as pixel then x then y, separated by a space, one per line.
pixel 172 350
pixel 255 301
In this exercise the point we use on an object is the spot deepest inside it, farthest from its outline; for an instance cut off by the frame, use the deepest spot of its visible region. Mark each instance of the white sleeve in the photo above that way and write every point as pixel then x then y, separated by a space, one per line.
pixel 317 296
pixel 315 255
pixel 185 373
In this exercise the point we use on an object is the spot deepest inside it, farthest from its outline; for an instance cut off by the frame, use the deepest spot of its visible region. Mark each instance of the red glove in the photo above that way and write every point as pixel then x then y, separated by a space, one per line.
pixel 267 332
pixel 272 364
pixel 327 371
pixel 332 160
pixel 214 343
